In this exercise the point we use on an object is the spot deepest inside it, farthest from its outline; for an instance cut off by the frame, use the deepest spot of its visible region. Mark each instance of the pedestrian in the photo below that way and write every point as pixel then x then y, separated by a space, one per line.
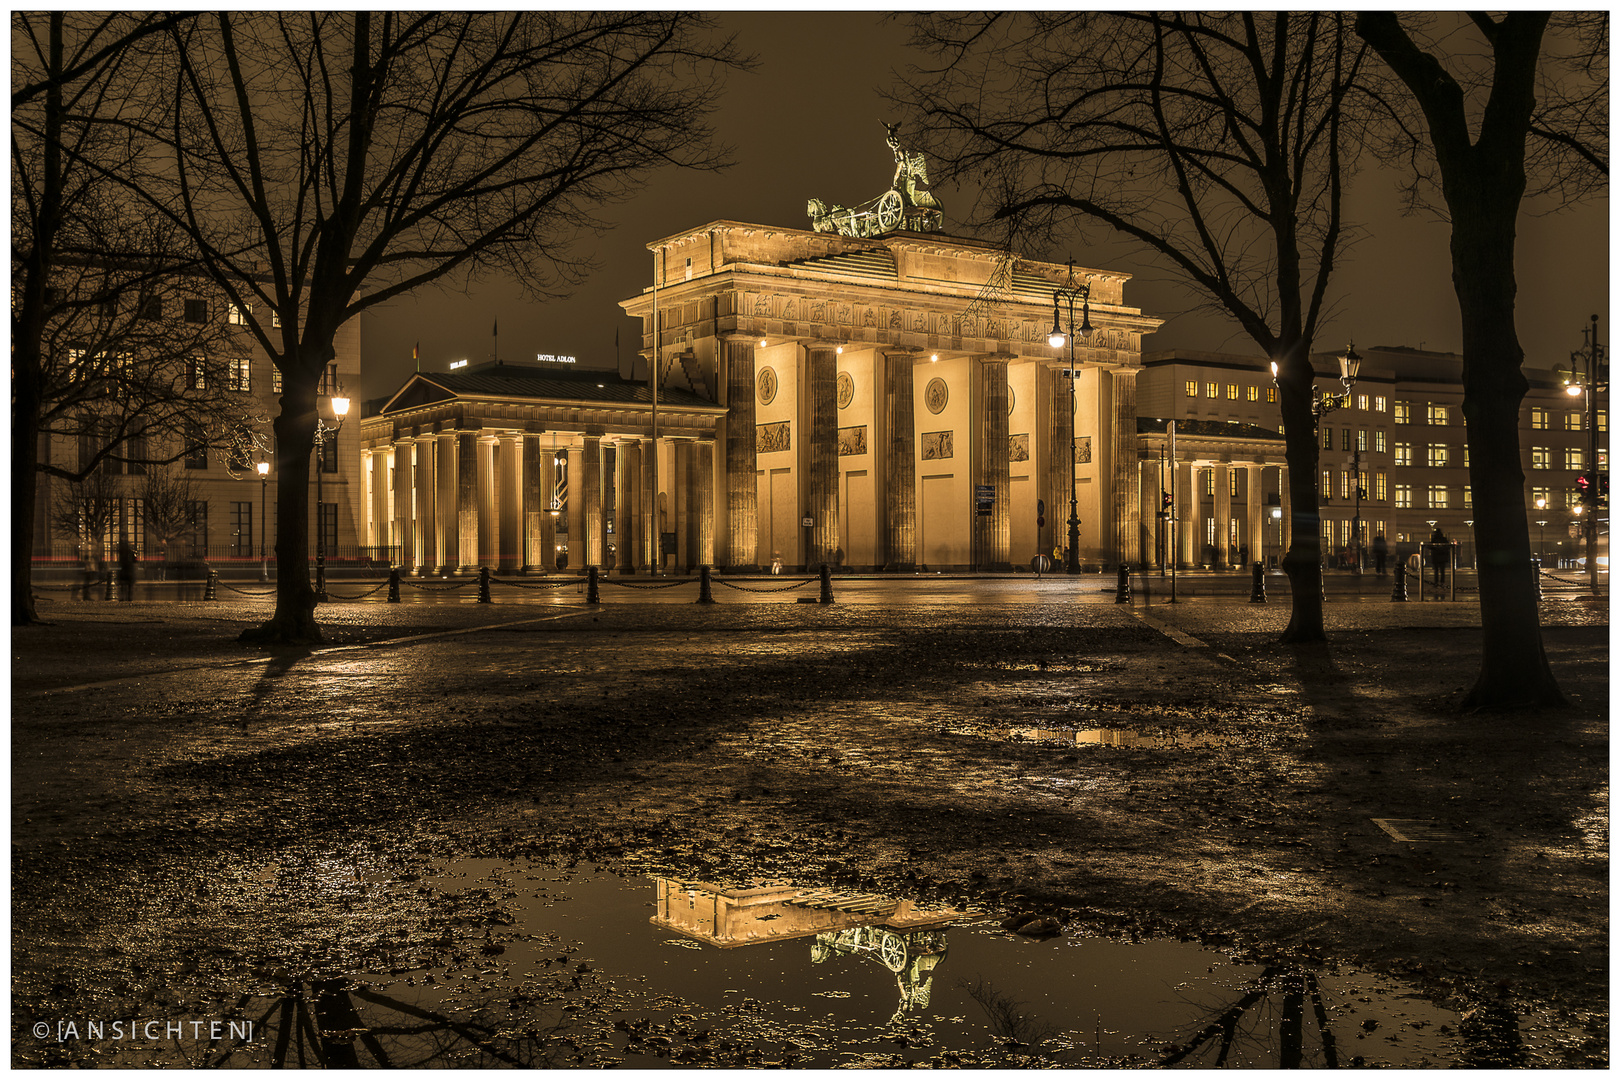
pixel 1380 552
pixel 776 562
pixel 1439 555
pixel 89 573
pixel 126 570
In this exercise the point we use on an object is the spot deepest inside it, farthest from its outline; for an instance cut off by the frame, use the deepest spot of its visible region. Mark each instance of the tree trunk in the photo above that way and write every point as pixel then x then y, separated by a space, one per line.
pixel 1296 382
pixel 24 485
pixel 294 620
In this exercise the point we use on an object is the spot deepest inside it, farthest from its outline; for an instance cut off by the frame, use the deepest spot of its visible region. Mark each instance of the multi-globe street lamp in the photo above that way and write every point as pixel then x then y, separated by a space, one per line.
pixel 1069 294
pixel 264 488
pixel 1594 381
pixel 340 409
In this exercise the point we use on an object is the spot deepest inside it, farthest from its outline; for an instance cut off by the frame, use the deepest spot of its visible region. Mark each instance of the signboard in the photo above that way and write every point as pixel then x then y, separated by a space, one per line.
pixel 666 543
pixel 552 358
pixel 808 522
pixel 984 497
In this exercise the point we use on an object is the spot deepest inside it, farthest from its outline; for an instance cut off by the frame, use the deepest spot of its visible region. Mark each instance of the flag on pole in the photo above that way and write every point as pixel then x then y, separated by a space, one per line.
pixel 495 331
pixel 416 355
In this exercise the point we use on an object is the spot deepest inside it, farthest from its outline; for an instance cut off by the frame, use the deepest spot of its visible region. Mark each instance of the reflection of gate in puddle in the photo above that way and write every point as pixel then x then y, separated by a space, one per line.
pixel 1123 737
pixel 906 939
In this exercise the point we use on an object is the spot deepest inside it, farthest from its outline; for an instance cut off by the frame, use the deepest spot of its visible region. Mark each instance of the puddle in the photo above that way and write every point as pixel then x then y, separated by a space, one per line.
pixel 577 968
pixel 1162 738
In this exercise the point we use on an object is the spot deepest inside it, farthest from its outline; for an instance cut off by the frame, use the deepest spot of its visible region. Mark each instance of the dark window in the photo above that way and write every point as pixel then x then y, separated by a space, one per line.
pixel 196 446
pixel 197 311
pixel 242 529
pixel 135 451
pixel 197 538
pixel 328 526
pixel 329 456
pixel 151 307
pixel 196 374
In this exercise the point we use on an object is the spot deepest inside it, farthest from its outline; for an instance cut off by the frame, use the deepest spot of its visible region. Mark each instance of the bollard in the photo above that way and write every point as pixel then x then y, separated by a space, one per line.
pixel 826 584
pixel 110 595
pixel 393 585
pixel 483 584
pixel 1399 596
pixel 1122 592
pixel 592 596
pixel 1257 592
pixel 1535 568
pixel 208 590
pixel 705 596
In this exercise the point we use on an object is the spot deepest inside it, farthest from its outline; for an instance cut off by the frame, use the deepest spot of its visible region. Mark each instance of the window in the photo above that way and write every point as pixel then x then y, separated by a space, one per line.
pixel 196 311
pixel 1271 395
pixel 237 316
pixel 1347 487
pixel 1361 440
pixel 1209 481
pixel 1468 497
pixel 196 540
pixel 1437 413
pixel 1403 454
pixel 275 379
pixel 1327 485
pixel 1403 412
pixel 132 526
pixel 1574 458
pixel 196 374
pixel 1233 476
pixel 1403 496
pixel 1327 438
pixel 275 319
pixel 1572 498
pixel 1465 455
pixel 329 380
pixel 1211 390
pixel 238 371
pixel 1192 387
pixel 150 309
pixel 1540 495
pixel 1572 421
pixel 242 529
pixel 1380 443
pixel 1254 393
pixel 196 446
pixel 1361 402
pixel 1603 419
pixel 329 455
pixel 1380 486
pixel 1538 419
pixel 1540 457
pixel 1379 403
pixel 327 523
pixel 1344 441
pixel 1437 498
pixel 1231 391
pixel 1439 455
pixel 135 452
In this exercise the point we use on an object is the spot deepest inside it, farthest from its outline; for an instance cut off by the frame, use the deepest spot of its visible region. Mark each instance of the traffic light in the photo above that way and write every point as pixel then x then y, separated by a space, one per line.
pixel 1584 485
pixel 1167 500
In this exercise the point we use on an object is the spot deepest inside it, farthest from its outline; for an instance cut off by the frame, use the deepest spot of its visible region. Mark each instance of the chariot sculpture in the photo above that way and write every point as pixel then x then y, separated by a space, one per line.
pixel 906 205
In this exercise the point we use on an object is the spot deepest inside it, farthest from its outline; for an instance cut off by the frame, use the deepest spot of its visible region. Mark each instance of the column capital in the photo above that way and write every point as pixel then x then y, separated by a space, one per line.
pixel 993 357
pixel 729 336
pixel 823 344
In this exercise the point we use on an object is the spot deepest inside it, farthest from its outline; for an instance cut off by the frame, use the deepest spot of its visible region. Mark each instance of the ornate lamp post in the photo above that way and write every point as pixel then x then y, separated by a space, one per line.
pixel 1593 480
pixel 1321 405
pixel 340 409
pixel 1069 294
pixel 264 487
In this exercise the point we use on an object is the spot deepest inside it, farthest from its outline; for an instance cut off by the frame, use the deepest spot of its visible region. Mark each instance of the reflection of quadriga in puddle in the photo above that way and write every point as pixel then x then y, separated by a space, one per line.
pixel 907 939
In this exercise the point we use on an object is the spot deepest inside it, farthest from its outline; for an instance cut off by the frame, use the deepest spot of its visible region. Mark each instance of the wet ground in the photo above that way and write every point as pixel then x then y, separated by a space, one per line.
pixel 411 843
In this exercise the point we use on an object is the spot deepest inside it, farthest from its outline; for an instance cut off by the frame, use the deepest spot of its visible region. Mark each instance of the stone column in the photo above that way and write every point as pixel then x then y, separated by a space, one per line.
pixel 489 538
pixel 1060 478
pixel 533 506
pixel 1255 524
pixel 1126 474
pixel 703 504
pixel 742 460
pixel 592 490
pixel 1152 503
pixel 680 489
pixel 900 464
pixel 1287 509
pixel 509 472
pixel 380 514
pixel 628 514
pixel 575 482
pixel 650 540
pixel 404 526
pixel 993 531
pixel 448 479
pixel 821 503
pixel 1223 516
pixel 1189 528
pixel 548 520
pixel 467 499
pixel 427 547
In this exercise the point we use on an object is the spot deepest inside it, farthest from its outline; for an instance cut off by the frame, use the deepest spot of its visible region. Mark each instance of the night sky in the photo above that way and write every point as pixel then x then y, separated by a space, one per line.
pixel 806 124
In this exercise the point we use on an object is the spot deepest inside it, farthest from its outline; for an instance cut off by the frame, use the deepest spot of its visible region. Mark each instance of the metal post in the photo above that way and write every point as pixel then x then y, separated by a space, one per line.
pixel 1257 593
pixel 483 584
pixel 320 517
pixel 393 585
pixel 592 595
pixel 264 489
pixel 705 588
pixel 1399 595
pixel 1174 553
pixel 209 592
pixel 1122 592
pixel 826 584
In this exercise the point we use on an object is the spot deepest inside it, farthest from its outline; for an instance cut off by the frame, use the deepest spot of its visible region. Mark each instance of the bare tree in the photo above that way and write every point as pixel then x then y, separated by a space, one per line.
pixel 169 499
pixel 1219 143
pixel 117 343
pixel 329 162
pixel 90 509
pixel 1501 106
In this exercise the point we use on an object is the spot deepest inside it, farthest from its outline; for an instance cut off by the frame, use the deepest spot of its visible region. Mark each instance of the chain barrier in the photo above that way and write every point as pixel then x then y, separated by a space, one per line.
pixel 763 589
pixel 1577 582
pixel 664 585
pixel 249 592
pixel 565 583
pixel 58 588
pixel 438 588
pixel 357 596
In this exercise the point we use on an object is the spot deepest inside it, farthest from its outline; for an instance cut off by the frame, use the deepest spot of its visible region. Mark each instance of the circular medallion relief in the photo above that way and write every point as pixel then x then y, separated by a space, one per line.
pixel 1011 401
pixel 936 395
pixel 846 390
pixel 767 385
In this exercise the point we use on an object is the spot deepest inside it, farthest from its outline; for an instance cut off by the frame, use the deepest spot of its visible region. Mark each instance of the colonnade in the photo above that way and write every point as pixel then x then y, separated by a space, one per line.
pixel 1259 535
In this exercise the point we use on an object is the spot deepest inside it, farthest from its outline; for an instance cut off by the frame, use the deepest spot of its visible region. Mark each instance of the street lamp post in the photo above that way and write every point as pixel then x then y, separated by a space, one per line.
pixel 264 488
pixel 1069 294
pixel 340 409
pixel 1596 380
pixel 1321 405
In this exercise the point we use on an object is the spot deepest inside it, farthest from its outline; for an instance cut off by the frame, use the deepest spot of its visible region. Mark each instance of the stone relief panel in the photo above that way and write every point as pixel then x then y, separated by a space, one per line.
pixel 894 320
pixel 767 385
pixel 1018 447
pixel 846 390
pixel 843 314
pixel 790 311
pixel 772 438
pixel 762 306
pixel 1082 450
pixel 851 441
pixel 937 445
pixel 936 395
pixel 869 319
pixel 818 311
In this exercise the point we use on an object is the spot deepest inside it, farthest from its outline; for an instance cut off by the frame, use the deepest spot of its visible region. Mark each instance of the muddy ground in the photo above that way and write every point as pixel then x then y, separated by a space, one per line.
pixel 927 752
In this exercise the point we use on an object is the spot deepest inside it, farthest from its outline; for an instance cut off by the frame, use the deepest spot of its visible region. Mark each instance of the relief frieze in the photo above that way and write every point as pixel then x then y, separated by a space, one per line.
pixel 773 438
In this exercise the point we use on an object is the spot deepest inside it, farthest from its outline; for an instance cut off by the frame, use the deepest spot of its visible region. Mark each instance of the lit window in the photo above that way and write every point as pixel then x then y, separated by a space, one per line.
pixel 1233 476
pixel 1540 495
pixel 1192 387
pixel 1403 496
pixel 1380 443
pixel 1209 481
pixel 1538 419
pixel 1379 404
pixel 1254 393
pixel 1437 498
pixel 196 374
pixel 1468 496
pixel 239 373
pixel 1327 438
pixel 1327 485
pixel 1271 395
pixel 1347 489
pixel 1231 392
pixel 1540 457
pixel 1403 412
pixel 1572 498
pixel 275 379
pixel 1361 402
pixel 1574 458
pixel 1603 419
pixel 1361 440
pixel 1465 455
pixel 1437 413
pixel 1212 390
pixel 1439 455
pixel 1572 421
pixel 1403 454
pixel 236 316
pixel 1380 486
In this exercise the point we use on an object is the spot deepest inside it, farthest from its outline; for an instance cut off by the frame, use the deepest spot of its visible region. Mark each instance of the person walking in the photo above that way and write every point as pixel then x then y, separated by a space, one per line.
pixel 1380 552
pixel 1439 555
pixel 89 573
pixel 126 570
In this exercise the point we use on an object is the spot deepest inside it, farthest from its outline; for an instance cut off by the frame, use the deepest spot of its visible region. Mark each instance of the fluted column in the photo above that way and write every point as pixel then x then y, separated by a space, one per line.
pixel 574 491
pixel 993 531
pixel 742 460
pixel 899 404
pixel 1287 509
pixel 703 469
pixel 467 499
pixel 1255 526
pixel 591 484
pixel 548 520
pixel 1223 516
pixel 1060 477
pixel 1152 524
pixel 533 504
pixel 379 498
pixel 427 547
pixel 405 526
pixel 489 538
pixel 821 504
pixel 632 555
pixel 509 479
pixel 447 481
pixel 1126 475
pixel 1189 528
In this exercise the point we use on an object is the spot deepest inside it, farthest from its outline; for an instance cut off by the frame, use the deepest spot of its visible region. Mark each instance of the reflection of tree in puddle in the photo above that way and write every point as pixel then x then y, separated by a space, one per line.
pixel 1267 1023
pixel 911 957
